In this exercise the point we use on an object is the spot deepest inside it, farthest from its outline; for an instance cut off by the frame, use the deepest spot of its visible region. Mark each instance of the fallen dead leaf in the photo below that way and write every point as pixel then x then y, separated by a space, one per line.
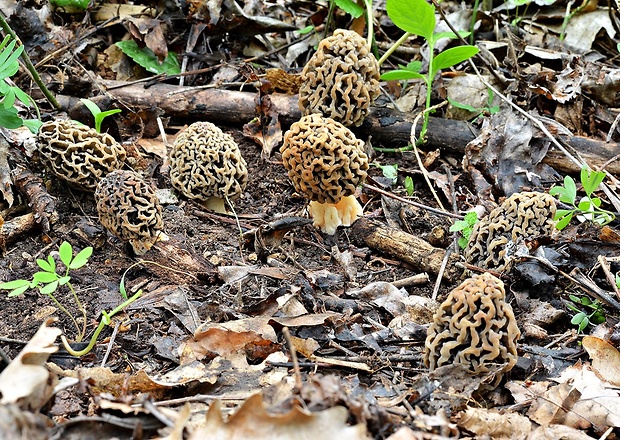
pixel 25 381
pixel 253 421
pixel 490 422
pixel 605 359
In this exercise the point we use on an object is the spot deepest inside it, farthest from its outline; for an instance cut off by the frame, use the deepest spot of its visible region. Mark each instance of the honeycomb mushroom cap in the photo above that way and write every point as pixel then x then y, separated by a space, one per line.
pixel 78 154
pixel 475 327
pixel 341 80
pixel 324 159
pixel 206 162
pixel 129 209
pixel 522 216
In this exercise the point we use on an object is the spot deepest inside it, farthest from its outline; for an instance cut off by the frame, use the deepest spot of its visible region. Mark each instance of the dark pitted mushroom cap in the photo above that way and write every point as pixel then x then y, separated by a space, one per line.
pixel 474 327
pixel 129 209
pixel 206 163
pixel 78 154
pixel 341 80
pixel 524 215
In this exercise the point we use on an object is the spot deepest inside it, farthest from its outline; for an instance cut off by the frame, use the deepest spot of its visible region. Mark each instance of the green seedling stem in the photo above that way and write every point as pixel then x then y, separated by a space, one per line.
pixel 26 59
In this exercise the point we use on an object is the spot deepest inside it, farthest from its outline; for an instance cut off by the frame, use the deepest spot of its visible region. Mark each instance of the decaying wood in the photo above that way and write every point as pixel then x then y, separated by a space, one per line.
pixel 388 126
pixel 17 227
pixel 404 246
pixel 33 188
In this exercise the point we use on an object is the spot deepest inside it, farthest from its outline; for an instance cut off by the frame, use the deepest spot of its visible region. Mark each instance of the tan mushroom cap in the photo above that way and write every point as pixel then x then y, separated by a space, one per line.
pixel 341 80
pixel 474 327
pixel 78 154
pixel 324 159
pixel 522 216
pixel 206 162
pixel 129 209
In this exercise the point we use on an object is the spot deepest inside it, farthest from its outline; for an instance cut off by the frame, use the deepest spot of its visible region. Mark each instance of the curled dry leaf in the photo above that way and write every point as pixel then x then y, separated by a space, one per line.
pixel 25 381
pixel 605 359
pixel 489 422
pixel 253 421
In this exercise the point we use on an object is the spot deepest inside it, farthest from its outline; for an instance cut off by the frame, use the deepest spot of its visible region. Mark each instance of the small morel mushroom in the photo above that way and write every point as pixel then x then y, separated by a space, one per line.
pixel 474 327
pixel 341 80
pixel 522 216
pixel 326 163
pixel 206 164
pixel 78 154
pixel 129 209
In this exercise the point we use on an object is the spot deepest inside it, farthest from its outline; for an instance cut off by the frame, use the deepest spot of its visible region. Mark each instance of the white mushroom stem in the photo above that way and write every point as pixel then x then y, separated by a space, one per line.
pixel 328 216
pixel 216 204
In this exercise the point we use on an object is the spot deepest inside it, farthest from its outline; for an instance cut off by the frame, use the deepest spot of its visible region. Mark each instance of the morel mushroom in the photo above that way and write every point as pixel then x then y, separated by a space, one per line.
pixel 522 216
pixel 326 163
pixel 78 154
pixel 206 164
pixel 341 80
pixel 475 327
pixel 129 209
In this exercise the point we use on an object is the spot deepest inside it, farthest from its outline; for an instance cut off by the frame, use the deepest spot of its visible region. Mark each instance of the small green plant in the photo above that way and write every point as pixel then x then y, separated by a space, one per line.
pixel 586 311
pixel 8 93
pixel 146 58
pixel 489 109
pixel 465 227
pixel 71 6
pixel 354 10
pixel 409 185
pixel 97 113
pixel 418 17
pixel 389 171
pixel 50 280
pixel 589 207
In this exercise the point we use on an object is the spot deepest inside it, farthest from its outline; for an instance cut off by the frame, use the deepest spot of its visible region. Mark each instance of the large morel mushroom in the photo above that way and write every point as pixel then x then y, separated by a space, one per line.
pixel 78 154
pixel 341 80
pixel 326 163
pixel 522 216
pixel 475 327
pixel 129 209
pixel 206 164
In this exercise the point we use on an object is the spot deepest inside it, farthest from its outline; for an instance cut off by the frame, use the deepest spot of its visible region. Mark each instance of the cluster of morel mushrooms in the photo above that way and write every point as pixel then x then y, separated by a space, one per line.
pixel 325 162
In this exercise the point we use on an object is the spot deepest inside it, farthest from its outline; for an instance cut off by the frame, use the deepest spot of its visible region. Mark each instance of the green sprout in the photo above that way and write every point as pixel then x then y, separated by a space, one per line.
pixel 9 65
pixel 489 109
pixel 589 207
pixel 97 113
pixel 418 17
pixel 50 280
pixel 589 312
pixel 465 227
pixel 409 185
pixel 389 171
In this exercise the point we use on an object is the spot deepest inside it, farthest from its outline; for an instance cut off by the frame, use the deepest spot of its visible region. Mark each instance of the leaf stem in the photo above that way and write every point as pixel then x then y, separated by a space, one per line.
pixel 395 46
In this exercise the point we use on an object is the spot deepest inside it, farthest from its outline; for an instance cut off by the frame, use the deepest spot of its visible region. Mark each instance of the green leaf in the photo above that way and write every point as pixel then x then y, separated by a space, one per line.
pixel 64 280
pixel 591 180
pixel 101 116
pixel 45 277
pixel 52 263
pixel 563 221
pixel 350 7
pixel 66 253
pixel 471 218
pixel 463 106
pixel 578 318
pixel 33 125
pixel 9 118
pixel 413 16
pixel 409 185
pixel 147 59
pixel 71 5
pixel 81 258
pixel 305 30
pixel 563 193
pixel 389 172
pixel 463 242
pixel 9 285
pixel 451 35
pixel 584 205
pixel 574 298
pixel 583 324
pixel 571 189
pixel 46 266
pixel 413 66
pixel 18 291
pixel 91 106
pixel 596 201
pixel 22 96
pixel 49 289
pixel 459 225
pixel 400 75
pixel 618 279
pixel 453 56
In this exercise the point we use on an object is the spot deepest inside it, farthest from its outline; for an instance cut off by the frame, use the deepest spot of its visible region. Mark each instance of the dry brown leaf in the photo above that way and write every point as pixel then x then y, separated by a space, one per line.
pixel 605 359
pixel 555 432
pixel 489 422
pixel 25 381
pixel 524 393
pixel 253 337
pixel 253 421
pixel 104 380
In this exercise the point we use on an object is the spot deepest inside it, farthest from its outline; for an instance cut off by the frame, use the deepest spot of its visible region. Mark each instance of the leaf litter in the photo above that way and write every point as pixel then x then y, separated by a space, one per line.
pixel 262 327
